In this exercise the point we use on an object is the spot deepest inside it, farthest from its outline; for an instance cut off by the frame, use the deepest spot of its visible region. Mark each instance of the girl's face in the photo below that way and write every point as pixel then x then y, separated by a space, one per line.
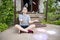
pixel 24 10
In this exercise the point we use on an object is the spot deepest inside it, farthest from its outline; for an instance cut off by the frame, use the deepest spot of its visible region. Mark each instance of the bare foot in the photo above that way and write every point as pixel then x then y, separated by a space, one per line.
pixel 19 31
pixel 36 20
pixel 25 30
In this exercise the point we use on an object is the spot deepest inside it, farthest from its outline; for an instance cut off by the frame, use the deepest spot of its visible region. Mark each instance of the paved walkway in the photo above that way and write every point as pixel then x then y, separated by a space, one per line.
pixel 53 33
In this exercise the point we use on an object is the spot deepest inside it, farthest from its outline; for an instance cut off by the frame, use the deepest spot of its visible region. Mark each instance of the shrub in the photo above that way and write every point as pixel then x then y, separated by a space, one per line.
pixel 53 16
pixel 3 27
pixel 57 22
pixel 6 12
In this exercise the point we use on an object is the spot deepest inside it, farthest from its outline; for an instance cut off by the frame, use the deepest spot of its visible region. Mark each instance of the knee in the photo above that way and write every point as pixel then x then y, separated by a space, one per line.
pixel 16 25
pixel 33 25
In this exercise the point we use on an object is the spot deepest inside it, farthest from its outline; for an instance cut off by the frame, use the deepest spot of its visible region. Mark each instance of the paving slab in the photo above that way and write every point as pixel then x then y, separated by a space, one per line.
pixel 53 33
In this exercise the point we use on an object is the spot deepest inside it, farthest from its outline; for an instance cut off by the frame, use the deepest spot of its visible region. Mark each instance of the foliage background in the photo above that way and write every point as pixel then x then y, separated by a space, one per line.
pixel 6 13
pixel 53 15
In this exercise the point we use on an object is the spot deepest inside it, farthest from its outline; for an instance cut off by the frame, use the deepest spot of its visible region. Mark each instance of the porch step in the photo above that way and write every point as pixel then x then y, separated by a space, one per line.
pixel 33 15
pixel 38 24
pixel 35 18
pixel 36 15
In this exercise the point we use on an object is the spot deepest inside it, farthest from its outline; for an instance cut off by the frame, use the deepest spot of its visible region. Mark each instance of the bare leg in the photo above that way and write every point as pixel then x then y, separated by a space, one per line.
pixel 31 27
pixel 20 28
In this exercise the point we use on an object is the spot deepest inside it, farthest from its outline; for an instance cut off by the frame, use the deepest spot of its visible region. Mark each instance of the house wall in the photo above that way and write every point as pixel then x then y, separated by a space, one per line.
pixel 18 5
pixel 41 6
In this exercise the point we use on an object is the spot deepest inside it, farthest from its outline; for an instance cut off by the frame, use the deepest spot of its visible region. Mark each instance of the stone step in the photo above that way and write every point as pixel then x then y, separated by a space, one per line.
pixel 36 15
pixel 34 18
pixel 38 25
pixel 33 15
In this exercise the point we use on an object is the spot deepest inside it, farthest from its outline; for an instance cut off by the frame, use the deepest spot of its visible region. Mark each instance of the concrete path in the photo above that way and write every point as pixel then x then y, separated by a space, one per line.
pixel 53 33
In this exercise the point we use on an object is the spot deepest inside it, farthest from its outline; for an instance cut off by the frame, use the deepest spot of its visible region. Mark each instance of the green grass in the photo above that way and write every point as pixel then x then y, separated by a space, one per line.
pixel 57 22
pixel 3 27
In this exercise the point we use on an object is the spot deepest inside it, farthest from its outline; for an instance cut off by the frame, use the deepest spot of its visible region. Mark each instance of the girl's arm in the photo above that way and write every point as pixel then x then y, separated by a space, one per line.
pixel 33 21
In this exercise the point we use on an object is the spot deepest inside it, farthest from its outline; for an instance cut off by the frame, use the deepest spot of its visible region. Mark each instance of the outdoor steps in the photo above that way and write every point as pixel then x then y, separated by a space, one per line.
pixel 33 15
pixel 38 17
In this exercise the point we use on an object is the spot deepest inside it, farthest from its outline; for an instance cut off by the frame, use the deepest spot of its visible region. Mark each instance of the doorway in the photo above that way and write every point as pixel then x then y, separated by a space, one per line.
pixel 31 6
pixel 28 4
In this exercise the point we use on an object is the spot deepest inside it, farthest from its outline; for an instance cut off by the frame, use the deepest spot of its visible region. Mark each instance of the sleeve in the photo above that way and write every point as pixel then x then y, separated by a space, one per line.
pixel 29 18
pixel 20 17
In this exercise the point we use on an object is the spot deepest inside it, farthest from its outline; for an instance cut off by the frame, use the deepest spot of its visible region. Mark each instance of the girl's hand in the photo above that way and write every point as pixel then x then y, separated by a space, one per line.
pixel 36 20
pixel 21 20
